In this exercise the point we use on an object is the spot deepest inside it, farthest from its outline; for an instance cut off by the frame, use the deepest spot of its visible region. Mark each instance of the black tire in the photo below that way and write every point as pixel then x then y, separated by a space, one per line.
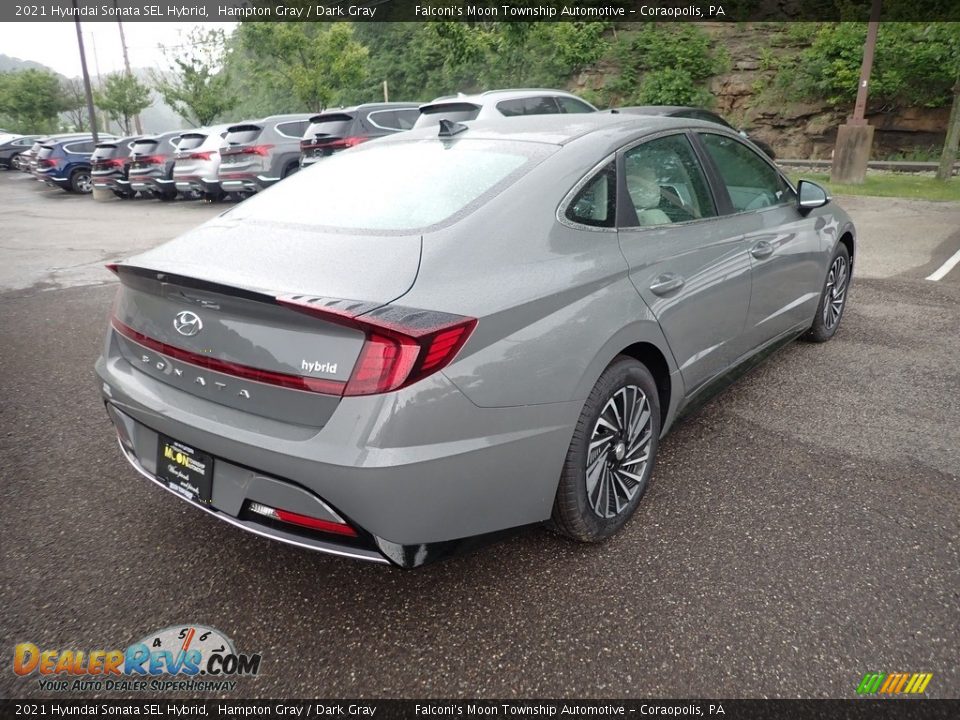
pixel 826 321
pixel 212 197
pixel 290 170
pixel 81 182
pixel 577 510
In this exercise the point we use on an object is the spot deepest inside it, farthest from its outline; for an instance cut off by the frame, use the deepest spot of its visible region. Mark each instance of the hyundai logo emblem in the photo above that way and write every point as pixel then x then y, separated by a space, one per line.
pixel 187 323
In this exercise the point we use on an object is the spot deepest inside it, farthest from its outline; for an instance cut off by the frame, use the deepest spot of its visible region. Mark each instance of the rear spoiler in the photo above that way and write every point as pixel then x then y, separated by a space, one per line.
pixel 332 116
pixel 434 108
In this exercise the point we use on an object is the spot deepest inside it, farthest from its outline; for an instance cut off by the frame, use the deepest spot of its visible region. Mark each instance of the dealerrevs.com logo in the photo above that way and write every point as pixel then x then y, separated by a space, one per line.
pixel 188 658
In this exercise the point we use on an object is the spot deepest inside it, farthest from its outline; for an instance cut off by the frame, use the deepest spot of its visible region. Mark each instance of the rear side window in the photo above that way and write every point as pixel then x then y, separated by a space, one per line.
pixel 541 105
pixel 596 202
pixel 752 183
pixel 293 128
pixel 324 126
pixel 405 186
pixel 572 105
pixel 191 141
pixel 242 134
pixel 80 148
pixel 396 120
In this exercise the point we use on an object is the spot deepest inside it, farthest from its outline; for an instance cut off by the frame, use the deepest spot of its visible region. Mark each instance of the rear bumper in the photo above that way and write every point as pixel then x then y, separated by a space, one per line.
pixel 246 183
pixel 195 183
pixel 421 472
pixel 152 185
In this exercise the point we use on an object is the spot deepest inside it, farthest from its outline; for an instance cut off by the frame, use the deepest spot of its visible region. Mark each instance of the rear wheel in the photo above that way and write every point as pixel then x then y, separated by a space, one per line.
pixel 833 299
pixel 81 182
pixel 611 455
pixel 290 170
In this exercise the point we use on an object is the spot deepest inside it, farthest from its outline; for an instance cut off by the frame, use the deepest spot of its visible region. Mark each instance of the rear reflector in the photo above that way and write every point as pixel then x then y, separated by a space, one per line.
pixel 402 345
pixel 306 521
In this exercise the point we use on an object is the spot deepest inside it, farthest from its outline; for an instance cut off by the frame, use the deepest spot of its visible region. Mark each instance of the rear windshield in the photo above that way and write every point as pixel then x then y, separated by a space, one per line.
pixel 191 141
pixel 396 187
pixel 44 151
pixel 454 112
pixel 143 147
pixel 105 152
pixel 242 134
pixel 328 126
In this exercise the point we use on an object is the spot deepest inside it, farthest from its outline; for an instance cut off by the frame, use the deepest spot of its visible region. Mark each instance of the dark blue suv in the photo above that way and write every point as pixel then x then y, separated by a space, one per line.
pixel 66 163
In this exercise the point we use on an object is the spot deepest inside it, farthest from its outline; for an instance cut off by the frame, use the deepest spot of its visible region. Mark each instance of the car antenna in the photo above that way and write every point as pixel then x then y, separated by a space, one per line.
pixel 449 128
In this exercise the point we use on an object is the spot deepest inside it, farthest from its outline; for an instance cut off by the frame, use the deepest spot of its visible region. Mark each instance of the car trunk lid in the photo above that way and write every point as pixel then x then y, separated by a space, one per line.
pixel 241 152
pixel 224 331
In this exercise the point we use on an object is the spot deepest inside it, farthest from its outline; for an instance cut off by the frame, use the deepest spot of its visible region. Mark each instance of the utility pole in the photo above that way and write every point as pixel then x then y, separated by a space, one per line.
pixel 126 63
pixel 952 139
pixel 386 92
pixel 855 138
pixel 86 75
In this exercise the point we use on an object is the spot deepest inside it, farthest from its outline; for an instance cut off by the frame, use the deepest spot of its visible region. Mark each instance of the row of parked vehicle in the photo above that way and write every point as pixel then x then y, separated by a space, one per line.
pixel 243 158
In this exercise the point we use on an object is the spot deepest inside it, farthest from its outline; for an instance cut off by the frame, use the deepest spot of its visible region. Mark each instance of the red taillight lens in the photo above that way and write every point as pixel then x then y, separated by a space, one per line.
pixel 306 521
pixel 150 159
pixel 332 143
pixel 47 162
pixel 402 345
pixel 201 155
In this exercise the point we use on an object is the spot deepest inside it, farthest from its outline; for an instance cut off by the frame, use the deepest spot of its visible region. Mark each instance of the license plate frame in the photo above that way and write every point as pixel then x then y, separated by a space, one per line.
pixel 185 470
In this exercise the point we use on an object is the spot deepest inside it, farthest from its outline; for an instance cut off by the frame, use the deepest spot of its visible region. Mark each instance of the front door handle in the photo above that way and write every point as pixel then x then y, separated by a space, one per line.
pixel 666 283
pixel 762 250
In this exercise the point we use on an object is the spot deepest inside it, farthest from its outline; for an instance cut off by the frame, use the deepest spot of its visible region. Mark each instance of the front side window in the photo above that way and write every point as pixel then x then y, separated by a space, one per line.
pixel 572 105
pixel 750 180
pixel 666 183
pixel 595 204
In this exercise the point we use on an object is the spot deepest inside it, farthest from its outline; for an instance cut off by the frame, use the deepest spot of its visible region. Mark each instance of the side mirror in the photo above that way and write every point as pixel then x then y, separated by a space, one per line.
pixel 810 196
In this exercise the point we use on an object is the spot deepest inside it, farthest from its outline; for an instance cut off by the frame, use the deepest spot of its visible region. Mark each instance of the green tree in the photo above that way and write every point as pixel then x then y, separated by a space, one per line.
pixel 122 97
pixel 321 64
pixel 914 64
pixel 31 99
pixel 196 87
pixel 666 64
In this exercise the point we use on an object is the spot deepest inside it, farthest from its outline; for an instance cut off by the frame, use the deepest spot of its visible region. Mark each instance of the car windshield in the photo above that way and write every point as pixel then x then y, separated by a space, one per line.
pixel 396 186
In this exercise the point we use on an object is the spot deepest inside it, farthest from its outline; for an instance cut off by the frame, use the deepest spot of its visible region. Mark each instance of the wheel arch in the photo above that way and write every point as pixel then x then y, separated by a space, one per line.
pixel 655 361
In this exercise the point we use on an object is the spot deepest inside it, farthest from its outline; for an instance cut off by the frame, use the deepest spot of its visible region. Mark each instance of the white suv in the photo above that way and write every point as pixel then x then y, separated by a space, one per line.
pixel 501 103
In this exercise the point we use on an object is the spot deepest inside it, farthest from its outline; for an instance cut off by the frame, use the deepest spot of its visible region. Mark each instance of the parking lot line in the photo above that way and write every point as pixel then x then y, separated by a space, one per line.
pixel 942 271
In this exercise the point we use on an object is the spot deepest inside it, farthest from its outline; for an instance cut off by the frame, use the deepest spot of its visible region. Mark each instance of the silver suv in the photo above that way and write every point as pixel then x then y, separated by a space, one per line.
pixel 501 103
pixel 151 165
pixel 256 154
pixel 196 163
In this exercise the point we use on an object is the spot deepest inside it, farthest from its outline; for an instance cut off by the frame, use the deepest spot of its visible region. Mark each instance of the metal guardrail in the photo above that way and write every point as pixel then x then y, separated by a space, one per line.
pixel 910 166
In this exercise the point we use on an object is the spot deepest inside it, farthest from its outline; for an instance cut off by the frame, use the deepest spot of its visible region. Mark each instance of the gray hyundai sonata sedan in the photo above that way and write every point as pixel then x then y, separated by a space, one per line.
pixel 431 339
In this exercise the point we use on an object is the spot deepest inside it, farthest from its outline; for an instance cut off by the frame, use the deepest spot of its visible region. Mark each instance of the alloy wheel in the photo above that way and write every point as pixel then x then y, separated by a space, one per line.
pixel 836 292
pixel 619 451
pixel 84 183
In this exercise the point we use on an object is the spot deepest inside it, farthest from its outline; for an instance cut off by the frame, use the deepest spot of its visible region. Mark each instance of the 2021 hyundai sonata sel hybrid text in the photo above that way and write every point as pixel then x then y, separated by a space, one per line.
pixel 447 333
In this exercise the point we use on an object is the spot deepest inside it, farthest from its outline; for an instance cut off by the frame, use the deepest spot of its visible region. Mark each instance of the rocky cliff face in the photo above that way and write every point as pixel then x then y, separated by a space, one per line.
pixel 795 129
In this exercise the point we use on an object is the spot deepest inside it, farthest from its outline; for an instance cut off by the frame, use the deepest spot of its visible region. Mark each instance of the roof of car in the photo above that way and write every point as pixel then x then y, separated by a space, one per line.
pixel 501 95
pixel 364 106
pixel 287 116
pixel 558 129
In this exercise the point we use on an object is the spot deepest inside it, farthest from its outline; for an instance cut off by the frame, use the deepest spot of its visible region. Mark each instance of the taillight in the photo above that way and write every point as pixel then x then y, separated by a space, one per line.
pixel 150 159
pixel 292 518
pixel 105 164
pixel 262 150
pixel 205 155
pixel 402 345
pixel 332 144
pixel 47 162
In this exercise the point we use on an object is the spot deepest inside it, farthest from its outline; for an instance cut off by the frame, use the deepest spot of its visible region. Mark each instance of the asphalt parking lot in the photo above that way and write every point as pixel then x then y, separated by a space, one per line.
pixel 800 530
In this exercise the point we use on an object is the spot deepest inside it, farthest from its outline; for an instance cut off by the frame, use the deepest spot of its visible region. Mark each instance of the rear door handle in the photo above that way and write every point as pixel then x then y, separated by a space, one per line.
pixel 666 283
pixel 762 250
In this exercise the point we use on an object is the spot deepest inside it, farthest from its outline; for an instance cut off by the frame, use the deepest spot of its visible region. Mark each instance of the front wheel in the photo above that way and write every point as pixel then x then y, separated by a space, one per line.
pixel 611 455
pixel 833 300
